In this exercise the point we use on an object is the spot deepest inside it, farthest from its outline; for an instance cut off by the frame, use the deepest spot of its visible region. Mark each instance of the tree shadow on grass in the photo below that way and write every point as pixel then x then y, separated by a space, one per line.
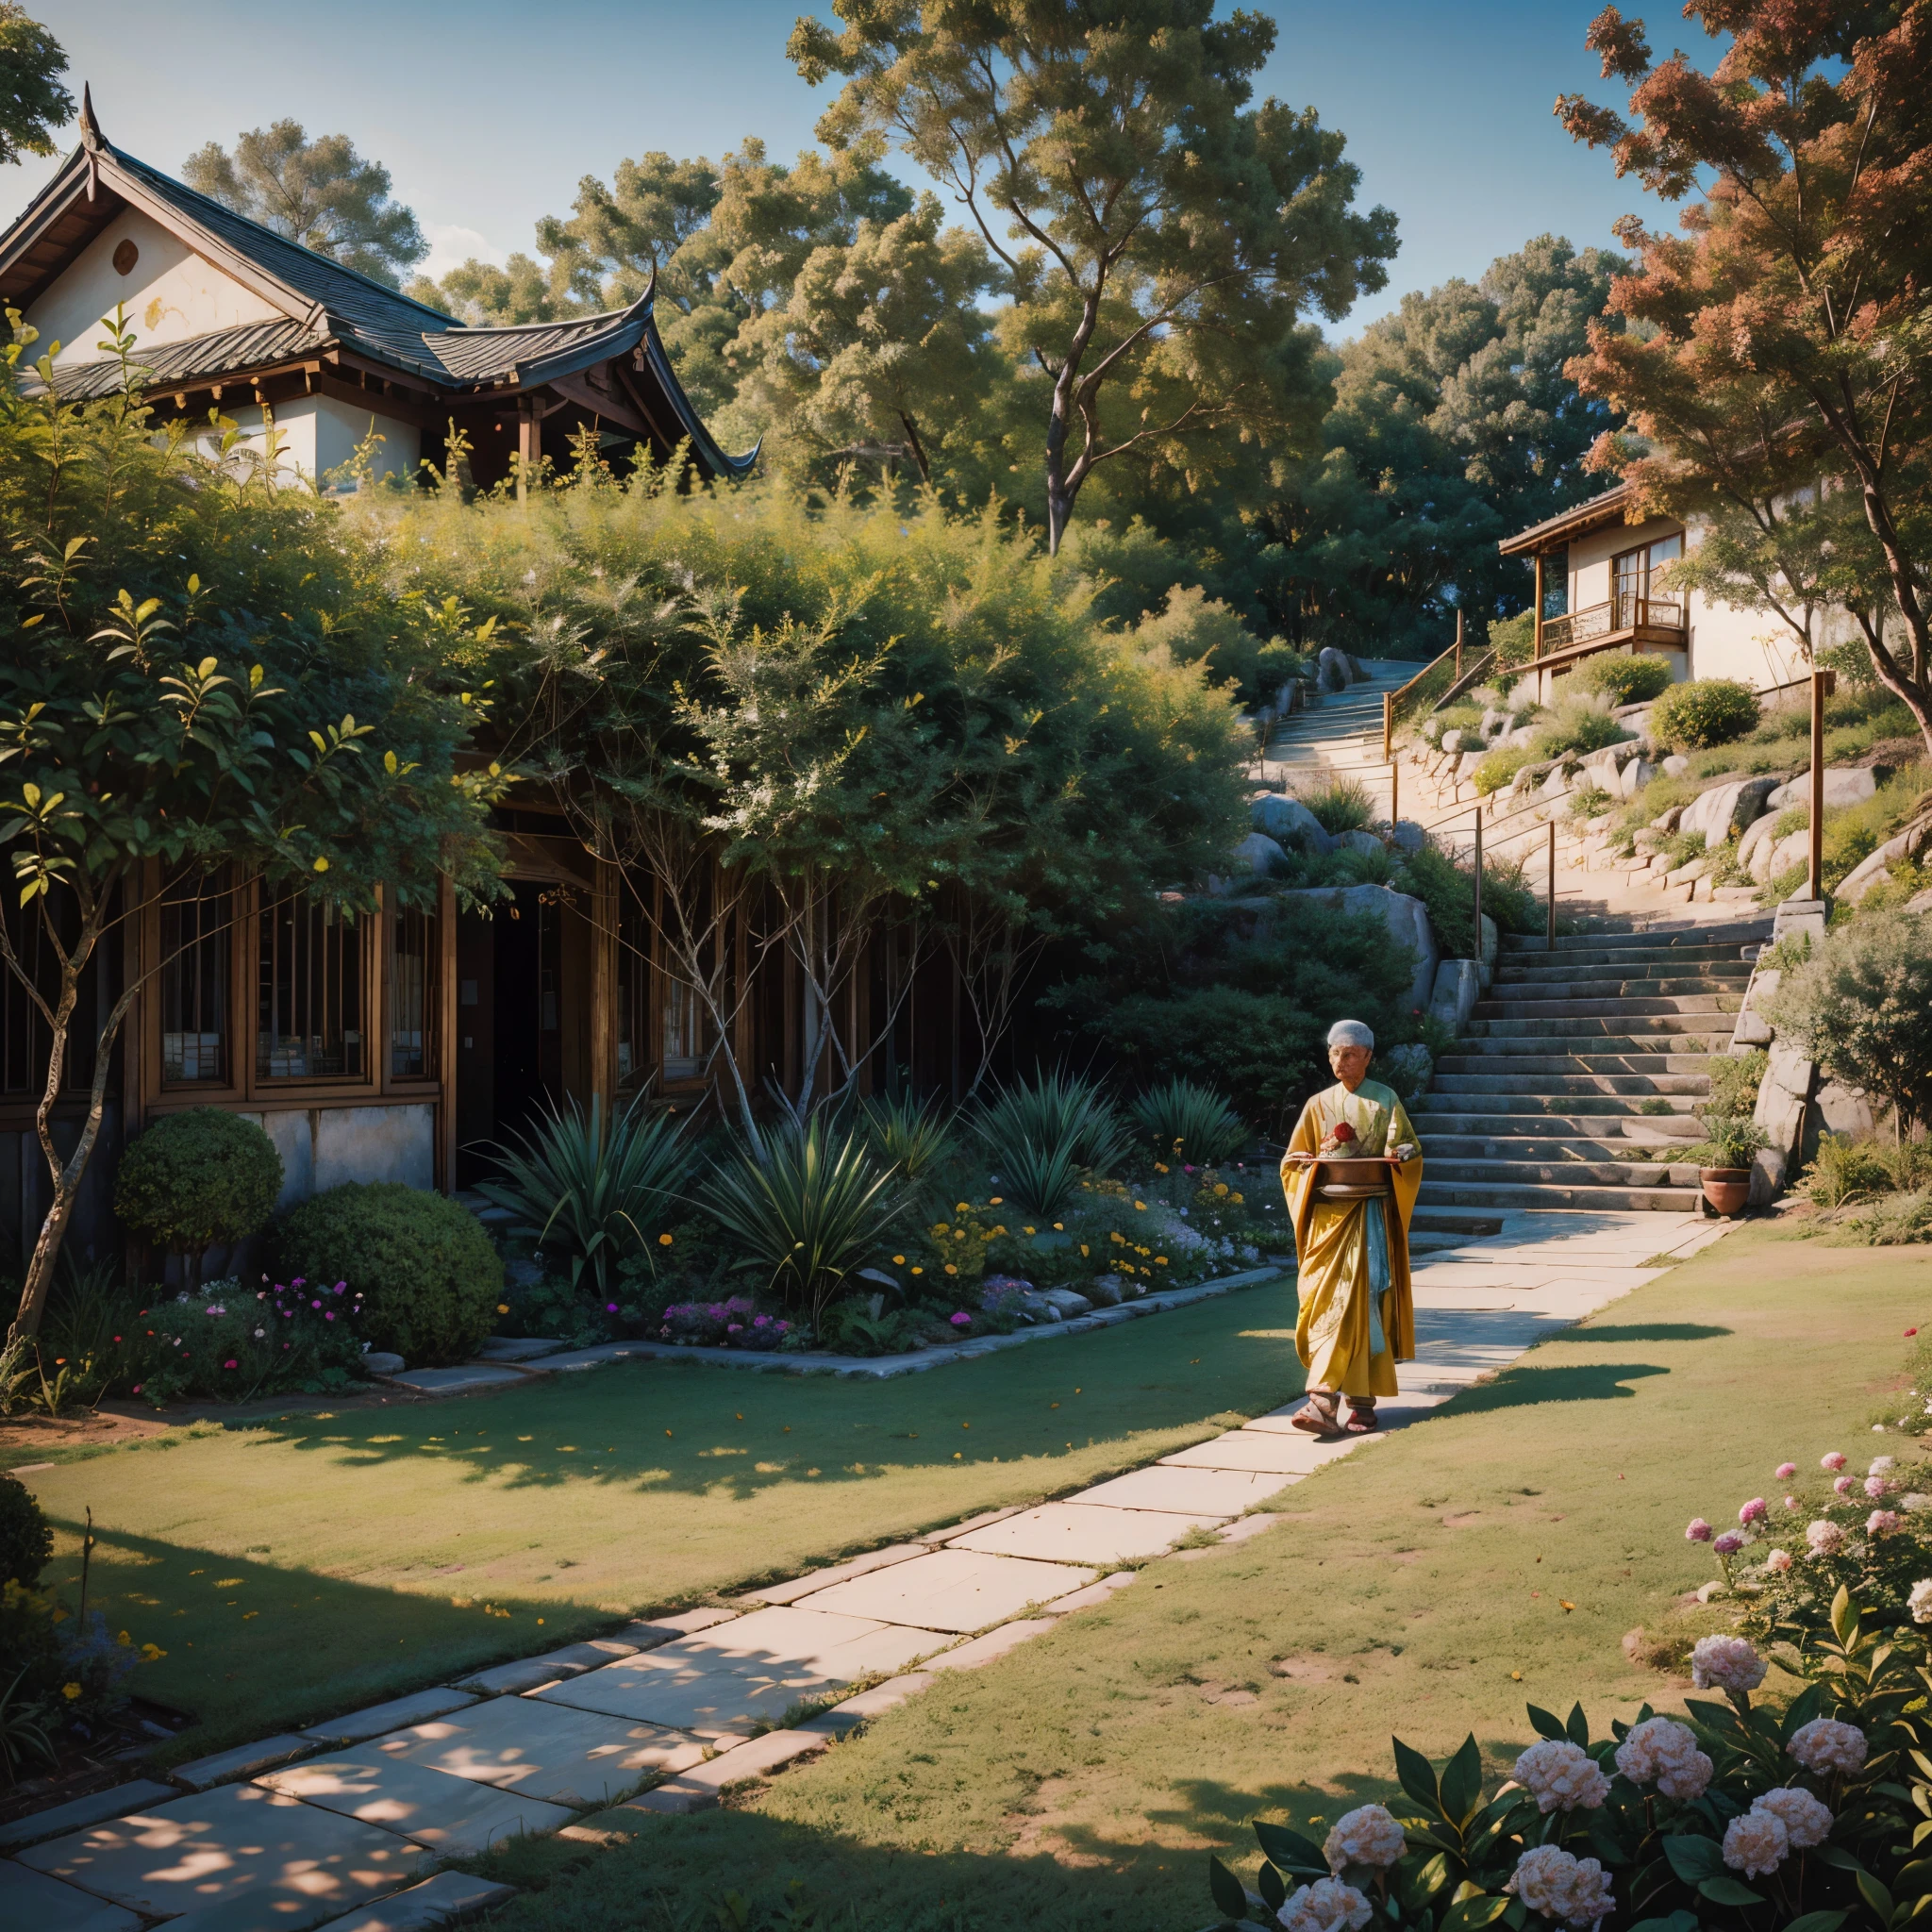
pixel 1524 1387
pixel 1649 1331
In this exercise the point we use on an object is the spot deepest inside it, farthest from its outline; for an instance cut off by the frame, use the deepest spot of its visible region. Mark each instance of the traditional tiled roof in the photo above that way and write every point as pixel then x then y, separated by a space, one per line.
pixel 326 306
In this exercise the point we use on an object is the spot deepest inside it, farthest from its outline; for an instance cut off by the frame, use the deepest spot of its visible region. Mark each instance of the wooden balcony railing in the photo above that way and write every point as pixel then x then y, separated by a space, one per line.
pixel 1620 617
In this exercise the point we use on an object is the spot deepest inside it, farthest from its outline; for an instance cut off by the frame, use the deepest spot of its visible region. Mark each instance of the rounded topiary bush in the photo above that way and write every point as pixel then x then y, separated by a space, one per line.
pixel 428 1275
pixel 1621 676
pixel 196 1178
pixel 1706 711
pixel 25 1541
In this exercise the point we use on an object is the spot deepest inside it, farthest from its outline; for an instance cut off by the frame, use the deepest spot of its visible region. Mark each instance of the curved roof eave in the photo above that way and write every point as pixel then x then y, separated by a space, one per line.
pixel 701 440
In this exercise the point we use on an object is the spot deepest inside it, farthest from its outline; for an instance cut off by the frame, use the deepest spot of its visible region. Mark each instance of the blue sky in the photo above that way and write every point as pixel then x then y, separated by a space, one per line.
pixel 486 114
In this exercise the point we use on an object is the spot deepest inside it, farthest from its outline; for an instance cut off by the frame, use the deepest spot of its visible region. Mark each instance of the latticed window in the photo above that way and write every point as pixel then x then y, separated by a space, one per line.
pixel 197 940
pixel 310 994
pixel 656 1006
pixel 411 996
pixel 683 1034
pixel 25 1043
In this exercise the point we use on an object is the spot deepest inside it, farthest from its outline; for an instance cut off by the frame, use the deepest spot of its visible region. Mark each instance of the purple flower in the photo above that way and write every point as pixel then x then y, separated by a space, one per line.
pixel 1875 1487
pixel 1753 1510
pixel 962 1319
pixel 1729 1544
pixel 610 1308
pixel 329 1315
pixel 761 1320
pixel 339 1288
pixel 1698 1532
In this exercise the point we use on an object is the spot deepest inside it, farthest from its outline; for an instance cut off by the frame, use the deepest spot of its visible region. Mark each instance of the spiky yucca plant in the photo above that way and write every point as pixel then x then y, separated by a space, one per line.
pixel 593 1184
pixel 1041 1134
pixel 915 1136
pixel 1187 1122
pixel 810 1204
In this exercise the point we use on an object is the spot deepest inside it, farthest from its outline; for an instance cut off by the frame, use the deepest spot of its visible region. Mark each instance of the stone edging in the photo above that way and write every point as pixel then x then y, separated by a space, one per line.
pixel 880 1368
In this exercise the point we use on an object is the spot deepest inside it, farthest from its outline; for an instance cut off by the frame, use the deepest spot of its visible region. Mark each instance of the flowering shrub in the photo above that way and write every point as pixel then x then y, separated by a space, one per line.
pixel 734 1324
pixel 1795 1820
pixel 231 1342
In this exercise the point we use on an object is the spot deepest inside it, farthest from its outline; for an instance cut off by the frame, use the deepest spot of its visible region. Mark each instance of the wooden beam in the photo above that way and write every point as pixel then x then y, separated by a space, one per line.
pixel 1538 605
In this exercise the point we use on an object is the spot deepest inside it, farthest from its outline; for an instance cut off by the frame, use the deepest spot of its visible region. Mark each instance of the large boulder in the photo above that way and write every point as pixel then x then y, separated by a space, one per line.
pixel 1466 765
pixel 1407 836
pixel 1727 808
pixel 1872 870
pixel 1458 987
pixel 1407 918
pixel 1451 740
pixel 1844 785
pixel 1635 776
pixel 1291 822
pixel 1794 848
pixel 1333 671
pixel 1255 855
pixel 1676 765
pixel 1755 846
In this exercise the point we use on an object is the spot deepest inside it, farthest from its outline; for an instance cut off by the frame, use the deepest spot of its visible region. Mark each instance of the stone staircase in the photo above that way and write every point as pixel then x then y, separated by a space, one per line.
pixel 1340 735
pixel 1577 1058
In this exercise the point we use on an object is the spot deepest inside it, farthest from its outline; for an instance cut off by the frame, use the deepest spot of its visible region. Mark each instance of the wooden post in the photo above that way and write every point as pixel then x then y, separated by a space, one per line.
pixel 1395 793
pixel 1388 723
pixel 530 447
pixel 1823 683
pixel 1550 938
pixel 1458 647
pixel 1478 891
pixel 1538 603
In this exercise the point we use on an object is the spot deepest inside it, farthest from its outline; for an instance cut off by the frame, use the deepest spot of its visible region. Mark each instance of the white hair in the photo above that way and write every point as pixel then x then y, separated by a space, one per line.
pixel 1350 1033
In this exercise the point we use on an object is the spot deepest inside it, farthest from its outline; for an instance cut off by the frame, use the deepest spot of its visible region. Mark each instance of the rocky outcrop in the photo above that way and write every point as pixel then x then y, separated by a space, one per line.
pixel 1290 821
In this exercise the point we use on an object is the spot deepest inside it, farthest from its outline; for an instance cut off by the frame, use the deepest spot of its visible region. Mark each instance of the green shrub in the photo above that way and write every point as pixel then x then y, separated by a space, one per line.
pixel 1513 639
pixel 1576 727
pixel 1845 1169
pixel 1862 1007
pixel 197 1178
pixel 594 1187
pixel 428 1275
pixel 914 1135
pixel 1338 805
pixel 1621 676
pixel 1705 711
pixel 1734 1079
pixel 1502 765
pixel 808 1207
pixel 25 1541
pixel 1898 1221
pixel 1042 1133
pixel 1733 1140
pixel 1184 1120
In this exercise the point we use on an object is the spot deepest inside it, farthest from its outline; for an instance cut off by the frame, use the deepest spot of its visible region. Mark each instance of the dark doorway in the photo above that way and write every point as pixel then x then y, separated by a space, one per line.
pixel 509 1021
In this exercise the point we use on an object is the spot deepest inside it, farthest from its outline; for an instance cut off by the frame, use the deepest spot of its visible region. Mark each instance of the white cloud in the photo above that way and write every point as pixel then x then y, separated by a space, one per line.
pixel 451 245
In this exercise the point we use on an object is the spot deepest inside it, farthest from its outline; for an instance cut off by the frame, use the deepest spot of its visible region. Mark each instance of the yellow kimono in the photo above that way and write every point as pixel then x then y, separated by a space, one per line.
pixel 1356 1319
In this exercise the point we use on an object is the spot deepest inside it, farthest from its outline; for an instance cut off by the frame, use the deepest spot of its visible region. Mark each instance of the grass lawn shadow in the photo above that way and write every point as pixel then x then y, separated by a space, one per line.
pixel 1620 1332
pixel 1524 1388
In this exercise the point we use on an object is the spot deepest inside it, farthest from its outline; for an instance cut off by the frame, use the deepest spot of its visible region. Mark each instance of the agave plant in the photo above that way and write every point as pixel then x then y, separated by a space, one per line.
pixel 593 1184
pixel 1186 1121
pixel 809 1204
pixel 1043 1133
pixel 914 1135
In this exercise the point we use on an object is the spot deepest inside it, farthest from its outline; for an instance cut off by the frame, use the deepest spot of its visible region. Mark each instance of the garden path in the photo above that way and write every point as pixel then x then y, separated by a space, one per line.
pixel 339 1824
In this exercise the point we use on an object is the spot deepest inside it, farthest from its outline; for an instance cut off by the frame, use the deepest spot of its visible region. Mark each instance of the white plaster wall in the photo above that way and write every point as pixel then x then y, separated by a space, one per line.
pixel 324 1146
pixel 319 434
pixel 171 294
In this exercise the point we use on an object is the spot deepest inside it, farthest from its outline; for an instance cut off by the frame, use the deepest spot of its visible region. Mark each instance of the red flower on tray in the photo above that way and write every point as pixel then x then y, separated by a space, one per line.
pixel 1341 1134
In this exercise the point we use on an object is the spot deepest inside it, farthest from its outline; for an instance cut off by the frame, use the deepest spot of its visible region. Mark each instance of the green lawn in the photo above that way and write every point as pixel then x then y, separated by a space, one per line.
pixel 1427 1587
pixel 296 1569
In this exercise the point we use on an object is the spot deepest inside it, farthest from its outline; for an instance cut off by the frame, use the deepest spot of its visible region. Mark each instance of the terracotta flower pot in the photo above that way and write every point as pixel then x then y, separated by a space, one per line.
pixel 1726 1189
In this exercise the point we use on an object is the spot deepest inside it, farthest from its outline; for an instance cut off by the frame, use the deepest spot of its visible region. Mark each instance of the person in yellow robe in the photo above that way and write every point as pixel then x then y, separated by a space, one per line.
pixel 1358 1318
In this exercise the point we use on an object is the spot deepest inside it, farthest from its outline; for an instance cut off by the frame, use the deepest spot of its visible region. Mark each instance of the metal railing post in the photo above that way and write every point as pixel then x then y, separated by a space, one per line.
pixel 1387 721
pixel 1822 684
pixel 1550 939
pixel 1478 887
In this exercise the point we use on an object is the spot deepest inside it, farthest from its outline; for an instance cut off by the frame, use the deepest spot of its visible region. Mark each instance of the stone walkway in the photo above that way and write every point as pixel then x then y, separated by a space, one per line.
pixel 345 1824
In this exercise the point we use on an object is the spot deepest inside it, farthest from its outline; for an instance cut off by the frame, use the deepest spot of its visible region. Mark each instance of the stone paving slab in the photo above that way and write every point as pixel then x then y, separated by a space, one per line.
pixel 516 1348
pixel 758 1757
pixel 30 1898
pixel 938 1539
pixel 455 1816
pixel 460 1381
pixel 725 1682
pixel 671 1799
pixel 952 1589
pixel 546 1750
pixel 1273 1452
pixel 244 1760
pixel 360 1726
pixel 527 1673
pixel 292 1863
pixel 115 1802
pixel 1094 1595
pixel 856 1710
pixel 814 1580
pixel 995 1644
pixel 652 1631
pixel 439 1901
pixel 1205 1491
pixel 1086 1534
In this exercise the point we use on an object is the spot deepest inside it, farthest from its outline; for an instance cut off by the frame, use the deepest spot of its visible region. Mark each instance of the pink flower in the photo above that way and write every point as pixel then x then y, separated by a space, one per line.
pixel 228 1365
pixel 1786 1471
pixel 1729 1544
pixel 1753 1510
pixel 1778 1562
pixel 1698 1532
pixel 1791 1502
pixel 1875 1487
pixel 1883 1522
pixel 136 1390
pixel 1832 1461
pixel 1844 1485
pixel 962 1319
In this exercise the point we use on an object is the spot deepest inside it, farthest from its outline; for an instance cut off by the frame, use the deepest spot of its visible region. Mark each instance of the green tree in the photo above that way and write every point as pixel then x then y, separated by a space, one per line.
pixel 1780 335
pixel 486 296
pixel 1164 238
pixel 318 192
pixel 1454 424
pixel 32 101
pixel 278 715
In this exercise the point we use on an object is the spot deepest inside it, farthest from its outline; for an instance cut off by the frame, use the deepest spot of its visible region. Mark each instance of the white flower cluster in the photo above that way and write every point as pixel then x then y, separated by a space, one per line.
pixel 1725 1663
pixel 1824 1537
pixel 1663 1752
pixel 1756 1843
pixel 1561 1776
pixel 1326 1906
pixel 1807 1821
pixel 1825 1747
pixel 1575 1891
pixel 1367 1836
pixel 1920 1601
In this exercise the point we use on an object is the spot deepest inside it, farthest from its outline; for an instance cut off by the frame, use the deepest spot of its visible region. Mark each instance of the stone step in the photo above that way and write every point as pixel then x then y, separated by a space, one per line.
pixel 1539 1111
pixel 1434 1221
pixel 1450 1145
pixel 1515 1047
pixel 1672 1027
pixel 1689 975
pixel 1618 995
pixel 1639 958
pixel 1696 1085
pixel 1527 1064
pixel 1558 1006
pixel 1560 1173
pixel 1471 1194
pixel 1698 933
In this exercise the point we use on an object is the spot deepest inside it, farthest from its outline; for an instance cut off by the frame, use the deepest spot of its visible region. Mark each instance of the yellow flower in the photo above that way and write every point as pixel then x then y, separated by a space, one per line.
pixel 997 1200
pixel 1160 1260
pixel 1002 1230
pixel 1220 1187
pixel 1060 1227
pixel 939 1227
pixel 1237 1199
pixel 1120 1238
pixel 1029 1230
pixel 962 1206
pixel 70 1691
pixel 919 1271
pixel 950 1269
pixel 1140 1206
pixel 898 1260
pixel 663 1240
pixel 152 1653
pixel 503 1307
pixel 1083 1250
pixel 124 1641
pixel 959 1234
pixel 1160 1167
